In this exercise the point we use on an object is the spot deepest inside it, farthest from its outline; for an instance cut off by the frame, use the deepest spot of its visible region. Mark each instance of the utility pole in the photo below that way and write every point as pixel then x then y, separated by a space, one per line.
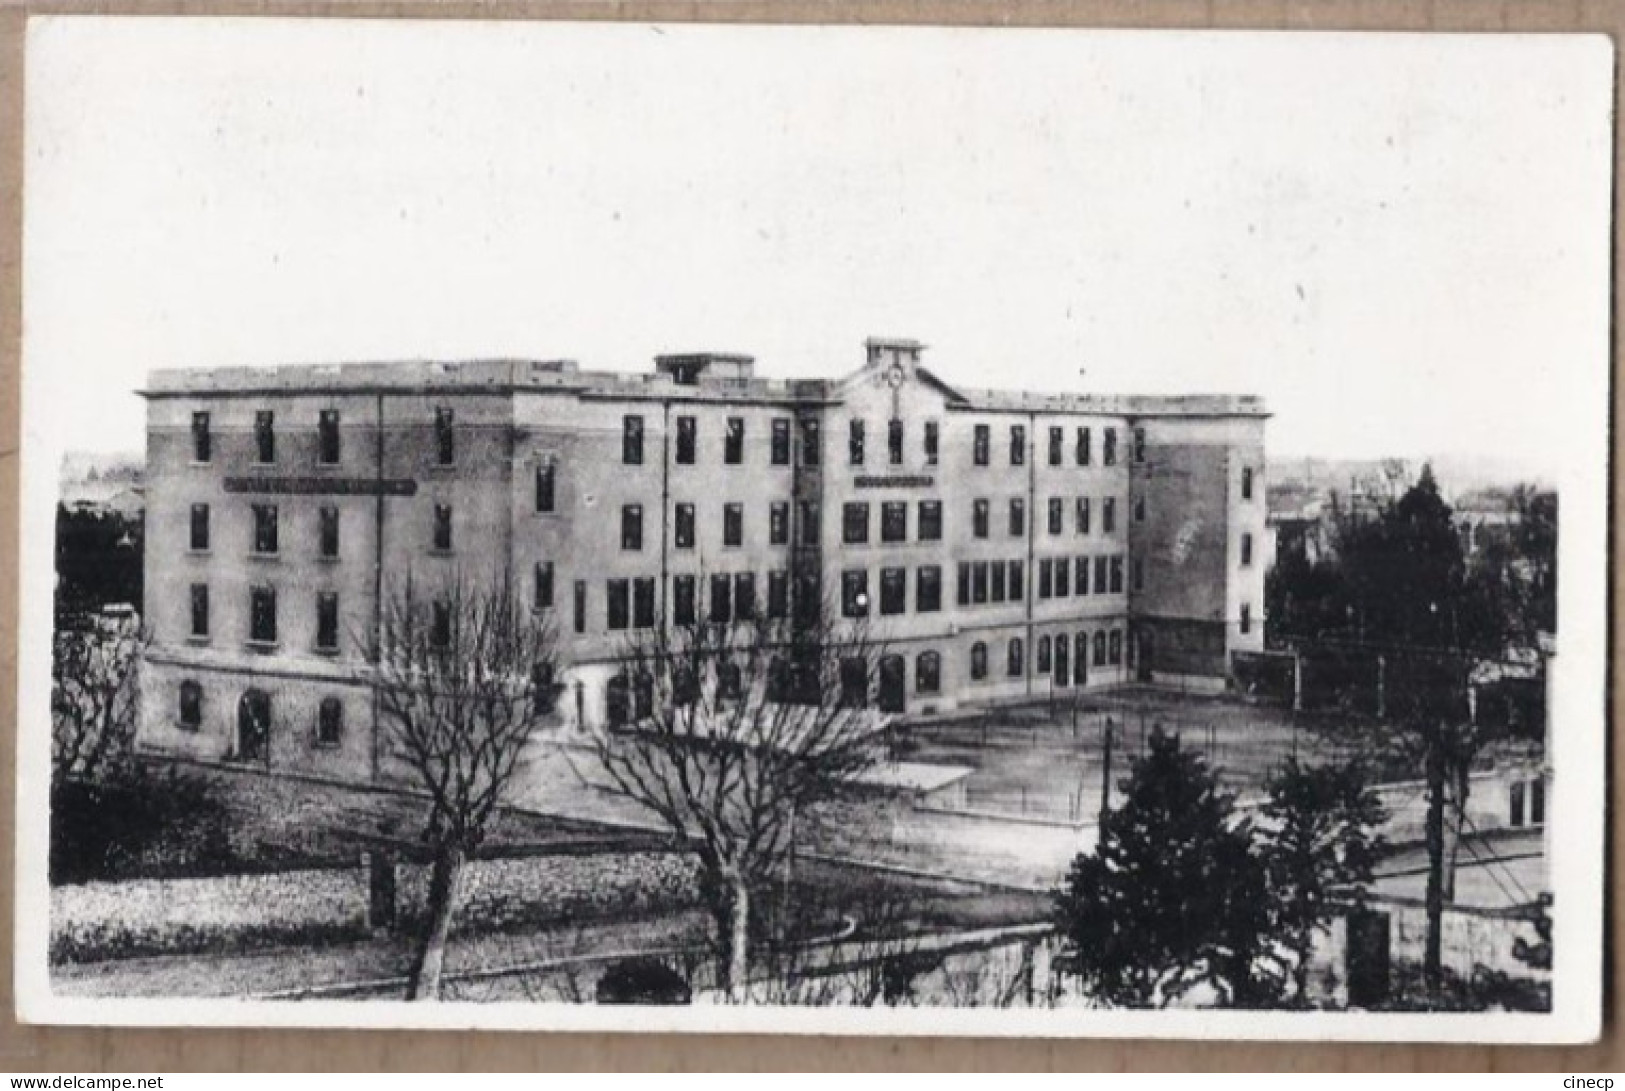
pixel 1106 778
pixel 1432 969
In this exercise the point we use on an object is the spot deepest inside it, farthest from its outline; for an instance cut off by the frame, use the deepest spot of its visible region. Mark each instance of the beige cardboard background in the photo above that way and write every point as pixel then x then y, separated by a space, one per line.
pixel 68 1050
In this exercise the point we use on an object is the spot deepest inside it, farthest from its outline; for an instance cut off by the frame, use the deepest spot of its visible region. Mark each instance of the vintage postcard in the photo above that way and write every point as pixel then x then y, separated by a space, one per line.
pixel 814 529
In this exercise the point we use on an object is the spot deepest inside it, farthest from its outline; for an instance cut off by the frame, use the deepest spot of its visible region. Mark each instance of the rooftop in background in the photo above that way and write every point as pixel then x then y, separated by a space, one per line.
pixel 695 376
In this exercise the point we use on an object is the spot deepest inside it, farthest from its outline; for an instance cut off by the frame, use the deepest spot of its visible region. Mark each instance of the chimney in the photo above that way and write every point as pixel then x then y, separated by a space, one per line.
pixel 686 368
pixel 884 351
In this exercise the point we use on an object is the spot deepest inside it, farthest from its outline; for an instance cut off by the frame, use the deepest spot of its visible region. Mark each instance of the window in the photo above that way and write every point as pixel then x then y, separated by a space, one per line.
pixel 683 526
pixel 632 440
pixel 265 529
pixel 440 625
pixel 978 661
pixel 1057 515
pixel 1083 447
pixel 442 528
pixel 997 573
pixel 855 523
pixel 1246 617
pixel 854 442
pixel 1100 649
pixel 1108 448
pixel 1046 578
pixel 327 437
pixel 445 436
pixel 894 521
pixel 1117 574
pixel 200 610
pixel 855 593
pixel 733 524
pixel 979 518
pixel 262 615
pixel 1108 515
pixel 964 583
pixel 202 438
pixel 327 532
pixel 778 594
pixel 978 586
pixel 721 599
pixel 1081 515
pixel 1043 664
pixel 1101 567
pixel 982 442
pixel 200 527
pixel 546 486
pixel 1018 517
pixel 1139 445
pixel 327 621
pixel 778 524
pixel 894 442
pixel 191 710
pixel 617 594
pixel 1117 648
pixel 1537 802
pixel 1061 676
pixel 893 591
pixel 1063 576
pixel 928 673
pixel 643 602
pixel 631 526
pixel 809 522
pixel 580 606
pixel 1246 482
pixel 682 600
pixel 744 595
pixel 1246 550
pixel 1018 445
pixel 730 681
pixel 810 445
pixel 265 436
pixel 329 721
pixel 543 597
pixel 733 442
pixel 928 589
pixel 781 441
pixel 930 526
pixel 931 443
pixel 1080 575
pixel 1139 574
pixel 1018 590
pixel 1139 509
pixel 1056 442
pixel 1015 658
pixel 686 441
pixel 1515 804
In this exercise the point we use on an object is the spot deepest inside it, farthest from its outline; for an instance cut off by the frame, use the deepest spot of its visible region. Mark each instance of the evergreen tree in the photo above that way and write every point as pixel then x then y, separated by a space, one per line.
pixel 1173 896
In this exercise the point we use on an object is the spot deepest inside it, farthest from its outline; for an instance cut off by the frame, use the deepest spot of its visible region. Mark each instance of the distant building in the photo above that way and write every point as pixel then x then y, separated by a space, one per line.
pixel 1005 544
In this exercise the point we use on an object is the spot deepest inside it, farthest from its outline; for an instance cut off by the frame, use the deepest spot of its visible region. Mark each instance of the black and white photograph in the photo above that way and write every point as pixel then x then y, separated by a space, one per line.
pixel 814 529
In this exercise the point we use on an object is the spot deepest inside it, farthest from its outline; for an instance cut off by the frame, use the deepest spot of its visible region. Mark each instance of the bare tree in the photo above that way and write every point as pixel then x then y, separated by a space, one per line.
pixel 93 698
pixel 733 728
pixel 464 675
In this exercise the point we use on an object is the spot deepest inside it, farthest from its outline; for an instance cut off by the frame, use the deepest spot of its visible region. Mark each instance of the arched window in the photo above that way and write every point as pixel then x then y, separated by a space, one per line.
pixel 685 687
pixel 1017 657
pixel 617 701
pixel 1043 655
pixel 978 661
pixel 643 696
pixel 1100 649
pixel 1117 648
pixel 329 722
pixel 1080 658
pixel 928 672
pixel 191 705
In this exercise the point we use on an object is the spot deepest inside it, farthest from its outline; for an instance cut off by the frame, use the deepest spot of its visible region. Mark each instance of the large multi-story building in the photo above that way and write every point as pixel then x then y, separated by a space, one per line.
pixel 1003 544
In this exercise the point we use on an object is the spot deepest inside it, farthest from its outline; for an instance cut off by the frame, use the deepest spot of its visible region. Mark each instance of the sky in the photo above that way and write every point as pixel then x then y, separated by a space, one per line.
pixel 1397 243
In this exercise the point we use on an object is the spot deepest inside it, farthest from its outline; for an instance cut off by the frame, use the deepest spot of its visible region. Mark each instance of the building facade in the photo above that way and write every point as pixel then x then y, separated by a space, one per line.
pixel 1003 544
